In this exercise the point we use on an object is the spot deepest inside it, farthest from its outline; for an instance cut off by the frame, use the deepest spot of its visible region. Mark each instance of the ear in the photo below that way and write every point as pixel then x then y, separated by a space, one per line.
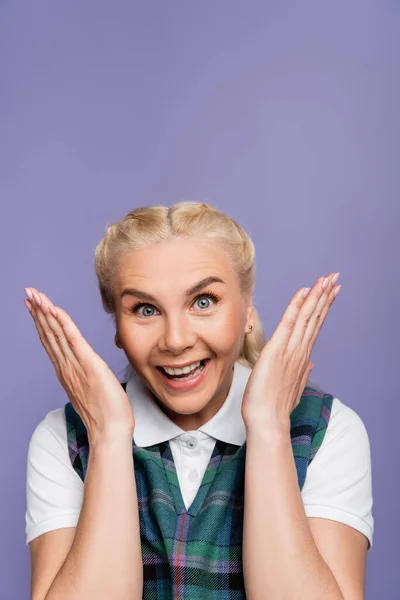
pixel 249 316
pixel 117 342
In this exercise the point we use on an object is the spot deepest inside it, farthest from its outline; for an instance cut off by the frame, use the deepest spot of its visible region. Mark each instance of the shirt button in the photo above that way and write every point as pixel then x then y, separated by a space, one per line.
pixel 192 442
pixel 193 475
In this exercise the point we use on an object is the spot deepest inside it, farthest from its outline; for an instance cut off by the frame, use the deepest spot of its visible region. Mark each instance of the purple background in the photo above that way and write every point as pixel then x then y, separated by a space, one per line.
pixel 283 114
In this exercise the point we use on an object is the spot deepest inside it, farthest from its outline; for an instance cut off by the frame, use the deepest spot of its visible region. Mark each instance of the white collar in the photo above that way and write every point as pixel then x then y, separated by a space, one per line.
pixel 153 426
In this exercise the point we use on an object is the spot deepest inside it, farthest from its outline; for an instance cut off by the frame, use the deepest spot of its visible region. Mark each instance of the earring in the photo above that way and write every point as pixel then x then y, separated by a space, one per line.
pixel 250 328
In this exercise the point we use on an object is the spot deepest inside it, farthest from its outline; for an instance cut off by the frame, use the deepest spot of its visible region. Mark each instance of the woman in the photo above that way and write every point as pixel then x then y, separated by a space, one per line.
pixel 156 508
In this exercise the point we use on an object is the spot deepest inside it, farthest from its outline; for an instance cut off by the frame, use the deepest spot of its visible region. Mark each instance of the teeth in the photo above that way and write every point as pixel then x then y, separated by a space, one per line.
pixel 191 375
pixel 185 370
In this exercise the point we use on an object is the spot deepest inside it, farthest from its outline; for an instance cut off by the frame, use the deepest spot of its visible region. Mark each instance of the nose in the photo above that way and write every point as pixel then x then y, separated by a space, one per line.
pixel 178 335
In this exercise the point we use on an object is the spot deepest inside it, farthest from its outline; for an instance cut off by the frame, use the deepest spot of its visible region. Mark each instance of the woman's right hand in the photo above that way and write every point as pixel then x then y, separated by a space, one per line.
pixel 93 390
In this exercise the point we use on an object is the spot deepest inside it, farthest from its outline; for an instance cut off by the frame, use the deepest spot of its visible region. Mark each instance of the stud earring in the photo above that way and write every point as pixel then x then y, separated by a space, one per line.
pixel 250 328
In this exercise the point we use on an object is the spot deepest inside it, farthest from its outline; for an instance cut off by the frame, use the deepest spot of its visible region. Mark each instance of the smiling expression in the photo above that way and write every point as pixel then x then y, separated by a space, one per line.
pixel 177 303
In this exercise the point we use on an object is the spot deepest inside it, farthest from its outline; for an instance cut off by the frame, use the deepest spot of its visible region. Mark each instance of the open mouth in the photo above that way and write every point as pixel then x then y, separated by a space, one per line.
pixel 189 372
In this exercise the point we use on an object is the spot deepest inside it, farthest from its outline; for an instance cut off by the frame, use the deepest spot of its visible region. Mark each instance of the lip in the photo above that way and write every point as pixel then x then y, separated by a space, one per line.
pixel 189 384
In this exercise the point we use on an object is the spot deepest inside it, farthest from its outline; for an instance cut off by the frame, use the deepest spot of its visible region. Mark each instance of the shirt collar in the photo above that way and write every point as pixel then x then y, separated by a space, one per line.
pixel 153 426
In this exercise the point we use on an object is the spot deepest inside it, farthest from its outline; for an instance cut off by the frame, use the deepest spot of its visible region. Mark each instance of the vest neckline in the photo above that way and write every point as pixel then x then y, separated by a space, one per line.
pixel 222 452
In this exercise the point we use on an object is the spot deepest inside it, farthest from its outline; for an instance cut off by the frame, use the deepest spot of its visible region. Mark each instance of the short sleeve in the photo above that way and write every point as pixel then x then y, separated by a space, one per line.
pixel 338 484
pixel 54 491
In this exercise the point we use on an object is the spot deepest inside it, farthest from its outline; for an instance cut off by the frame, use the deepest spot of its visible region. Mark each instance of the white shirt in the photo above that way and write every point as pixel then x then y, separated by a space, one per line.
pixel 338 484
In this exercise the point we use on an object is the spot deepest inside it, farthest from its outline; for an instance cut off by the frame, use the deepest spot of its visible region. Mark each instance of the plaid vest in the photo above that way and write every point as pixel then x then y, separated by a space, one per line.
pixel 196 554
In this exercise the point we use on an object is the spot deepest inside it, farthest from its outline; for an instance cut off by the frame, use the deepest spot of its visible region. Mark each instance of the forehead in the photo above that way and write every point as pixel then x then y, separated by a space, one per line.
pixel 178 262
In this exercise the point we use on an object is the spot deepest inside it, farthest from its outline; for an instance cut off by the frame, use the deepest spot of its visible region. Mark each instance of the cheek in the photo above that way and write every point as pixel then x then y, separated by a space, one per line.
pixel 137 342
pixel 225 332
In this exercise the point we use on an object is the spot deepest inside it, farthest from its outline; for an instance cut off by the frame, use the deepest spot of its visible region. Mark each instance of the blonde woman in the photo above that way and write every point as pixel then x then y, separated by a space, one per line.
pixel 216 470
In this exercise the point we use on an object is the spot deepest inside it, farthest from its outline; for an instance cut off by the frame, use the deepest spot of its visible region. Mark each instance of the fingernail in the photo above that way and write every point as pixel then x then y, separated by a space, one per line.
pixel 325 284
pixel 28 304
pixel 53 311
pixel 28 293
pixel 38 300
pixel 336 290
pixel 306 291
pixel 335 278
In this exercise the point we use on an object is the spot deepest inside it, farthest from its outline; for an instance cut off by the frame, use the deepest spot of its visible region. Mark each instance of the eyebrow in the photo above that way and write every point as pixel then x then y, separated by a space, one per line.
pixel 193 290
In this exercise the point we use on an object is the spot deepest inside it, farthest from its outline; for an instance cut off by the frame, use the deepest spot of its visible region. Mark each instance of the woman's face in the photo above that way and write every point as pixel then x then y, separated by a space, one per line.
pixel 163 321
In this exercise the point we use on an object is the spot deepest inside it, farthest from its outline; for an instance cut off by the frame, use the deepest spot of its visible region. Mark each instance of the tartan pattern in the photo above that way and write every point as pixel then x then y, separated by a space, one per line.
pixel 196 554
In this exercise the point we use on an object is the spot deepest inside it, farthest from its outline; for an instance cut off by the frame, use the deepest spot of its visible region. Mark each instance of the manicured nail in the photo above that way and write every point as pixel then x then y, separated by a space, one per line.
pixel 335 278
pixel 325 284
pixel 28 304
pixel 28 293
pixel 306 291
pixel 37 298
pixel 53 311
pixel 336 290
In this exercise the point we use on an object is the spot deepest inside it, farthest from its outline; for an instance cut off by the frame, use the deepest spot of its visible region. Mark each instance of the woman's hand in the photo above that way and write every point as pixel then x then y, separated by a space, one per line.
pixel 94 391
pixel 281 371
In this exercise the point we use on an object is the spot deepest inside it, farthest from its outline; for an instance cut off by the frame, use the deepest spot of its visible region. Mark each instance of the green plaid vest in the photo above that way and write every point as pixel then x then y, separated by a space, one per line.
pixel 196 554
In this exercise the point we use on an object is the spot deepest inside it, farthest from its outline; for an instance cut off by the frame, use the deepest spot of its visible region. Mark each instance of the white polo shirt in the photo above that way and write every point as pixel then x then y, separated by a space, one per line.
pixel 338 484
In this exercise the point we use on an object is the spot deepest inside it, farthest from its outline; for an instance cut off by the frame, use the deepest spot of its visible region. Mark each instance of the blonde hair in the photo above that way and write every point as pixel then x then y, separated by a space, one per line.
pixel 150 225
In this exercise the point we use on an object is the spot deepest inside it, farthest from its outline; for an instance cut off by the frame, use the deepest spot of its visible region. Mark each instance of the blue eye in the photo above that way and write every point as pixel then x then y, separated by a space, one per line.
pixel 207 297
pixel 145 306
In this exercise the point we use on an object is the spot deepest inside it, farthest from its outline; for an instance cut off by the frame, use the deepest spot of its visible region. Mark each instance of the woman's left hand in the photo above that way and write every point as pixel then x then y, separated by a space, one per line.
pixel 280 374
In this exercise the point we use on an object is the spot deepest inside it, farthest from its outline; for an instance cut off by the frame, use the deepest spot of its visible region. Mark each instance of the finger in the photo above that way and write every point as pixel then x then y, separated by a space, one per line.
pixel 54 331
pixel 45 332
pixel 82 351
pixel 325 311
pixel 42 335
pixel 314 300
pixel 283 332
pixel 317 319
pixel 75 342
